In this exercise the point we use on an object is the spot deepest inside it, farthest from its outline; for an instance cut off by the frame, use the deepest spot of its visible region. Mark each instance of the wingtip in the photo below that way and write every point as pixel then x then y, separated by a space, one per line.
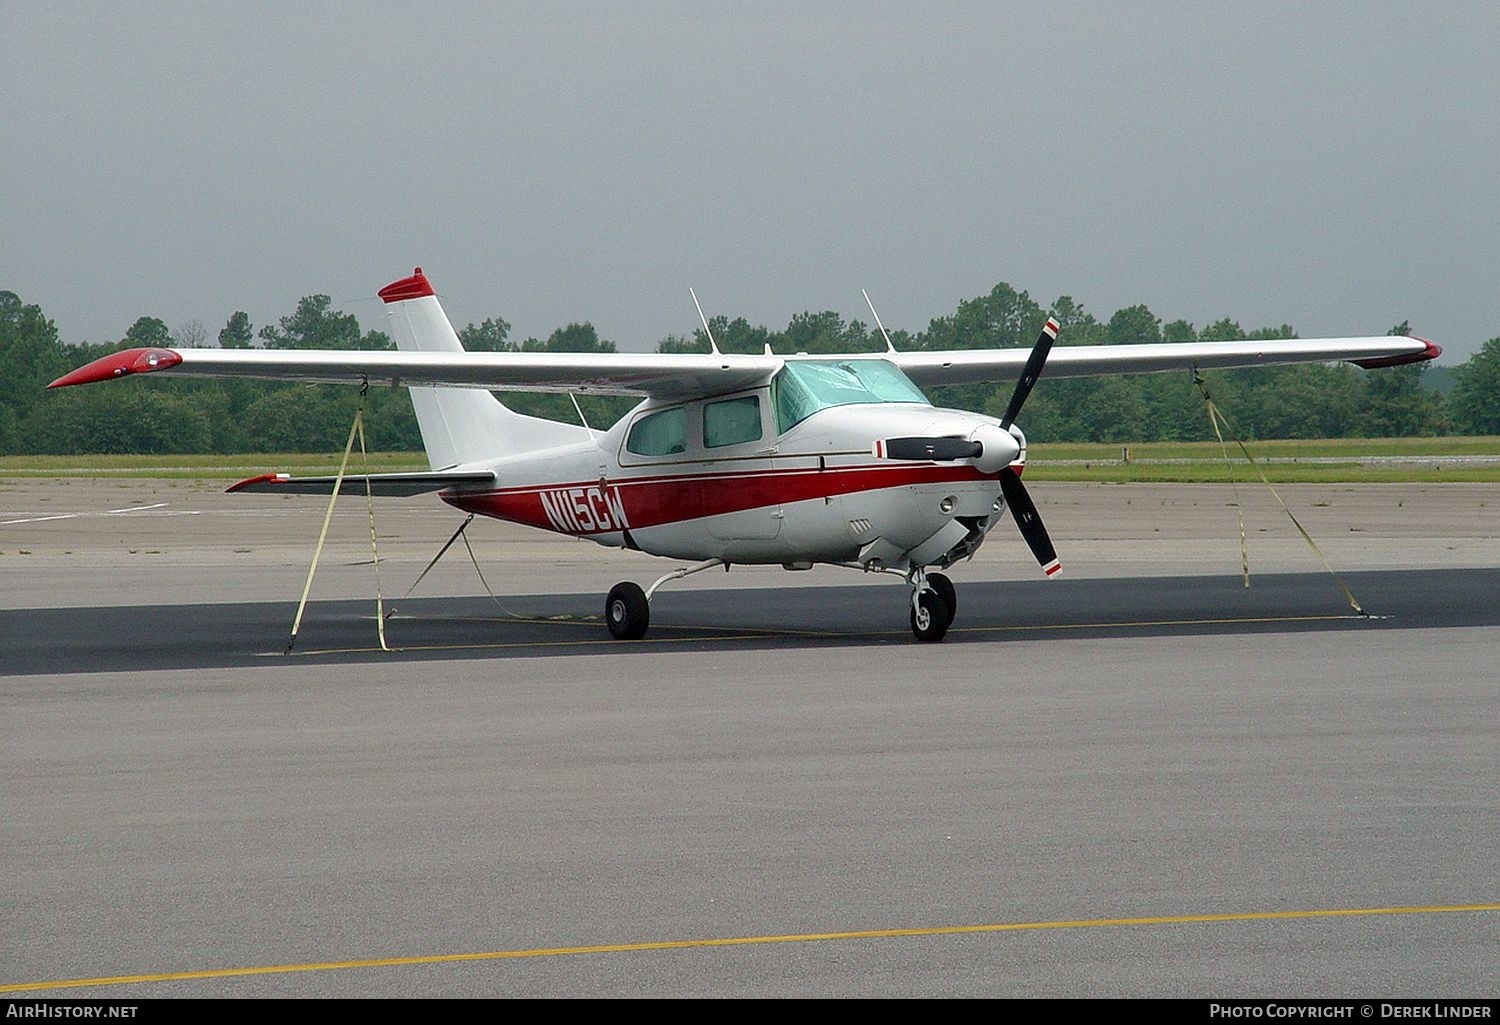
pixel 1430 351
pixel 261 479
pixel 119 364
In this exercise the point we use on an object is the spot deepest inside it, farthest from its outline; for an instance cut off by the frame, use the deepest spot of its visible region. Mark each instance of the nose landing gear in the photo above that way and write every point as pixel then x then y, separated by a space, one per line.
pixel 934 602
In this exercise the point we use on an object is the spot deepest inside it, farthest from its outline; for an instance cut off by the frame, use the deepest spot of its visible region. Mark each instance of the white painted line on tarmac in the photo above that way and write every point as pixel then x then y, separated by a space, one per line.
pixel 108 512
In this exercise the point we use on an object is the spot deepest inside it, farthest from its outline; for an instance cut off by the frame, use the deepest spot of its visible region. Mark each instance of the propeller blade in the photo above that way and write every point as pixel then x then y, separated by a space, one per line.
pixel 1032 371
pixel 940 449
pixel 1025 514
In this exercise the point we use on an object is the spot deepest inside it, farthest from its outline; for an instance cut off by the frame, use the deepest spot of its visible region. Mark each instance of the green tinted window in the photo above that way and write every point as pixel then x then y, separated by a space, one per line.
pixel 802 387
pixel 731 422
pixel 660 434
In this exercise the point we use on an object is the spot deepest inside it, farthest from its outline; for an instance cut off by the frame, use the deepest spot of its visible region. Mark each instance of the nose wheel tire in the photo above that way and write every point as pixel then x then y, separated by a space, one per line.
pixel 944 587
pixel 930 617
pixel 627 611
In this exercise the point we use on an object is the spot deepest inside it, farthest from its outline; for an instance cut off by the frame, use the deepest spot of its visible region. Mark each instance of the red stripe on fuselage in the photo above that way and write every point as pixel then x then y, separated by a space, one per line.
pixel 592 507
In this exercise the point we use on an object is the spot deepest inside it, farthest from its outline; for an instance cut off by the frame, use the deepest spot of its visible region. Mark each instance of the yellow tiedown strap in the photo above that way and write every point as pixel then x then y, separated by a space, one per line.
pixel 364 458
pixel 1213 418
pixel 461 528
pixel 461 532
pixel 1217 418
pixel 356 429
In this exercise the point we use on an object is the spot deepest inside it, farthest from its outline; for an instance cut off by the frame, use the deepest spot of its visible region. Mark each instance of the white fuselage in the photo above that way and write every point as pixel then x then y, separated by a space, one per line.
pixel 716 478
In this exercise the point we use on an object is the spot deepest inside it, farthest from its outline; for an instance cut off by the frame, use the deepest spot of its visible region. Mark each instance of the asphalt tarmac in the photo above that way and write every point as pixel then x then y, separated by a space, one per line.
pixel 1142 779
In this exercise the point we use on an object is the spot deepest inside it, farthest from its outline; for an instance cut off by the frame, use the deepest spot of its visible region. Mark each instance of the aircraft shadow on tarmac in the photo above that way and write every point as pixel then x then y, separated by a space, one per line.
pixel 150 637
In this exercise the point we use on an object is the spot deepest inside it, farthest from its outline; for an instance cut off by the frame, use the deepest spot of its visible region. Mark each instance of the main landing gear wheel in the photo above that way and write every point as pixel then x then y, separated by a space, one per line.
pixel 627 611
pixel 944 587
pixel 930 616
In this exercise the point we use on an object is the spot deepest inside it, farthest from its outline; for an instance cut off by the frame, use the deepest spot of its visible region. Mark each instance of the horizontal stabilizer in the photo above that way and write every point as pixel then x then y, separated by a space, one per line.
pixel 355 484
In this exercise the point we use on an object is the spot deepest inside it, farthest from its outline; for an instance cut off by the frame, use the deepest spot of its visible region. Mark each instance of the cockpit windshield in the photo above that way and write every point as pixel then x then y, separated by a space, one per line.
pixel 802 387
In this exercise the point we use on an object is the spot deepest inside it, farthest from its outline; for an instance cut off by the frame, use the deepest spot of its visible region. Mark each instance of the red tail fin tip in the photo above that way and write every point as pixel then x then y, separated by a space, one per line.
pixel 414 287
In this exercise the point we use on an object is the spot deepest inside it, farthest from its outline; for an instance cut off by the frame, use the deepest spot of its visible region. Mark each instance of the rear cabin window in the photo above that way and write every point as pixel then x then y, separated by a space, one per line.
pixel 659 434
pixel 731 422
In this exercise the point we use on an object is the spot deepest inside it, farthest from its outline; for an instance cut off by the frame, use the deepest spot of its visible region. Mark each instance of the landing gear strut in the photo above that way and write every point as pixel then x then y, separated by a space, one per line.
pixel 627 610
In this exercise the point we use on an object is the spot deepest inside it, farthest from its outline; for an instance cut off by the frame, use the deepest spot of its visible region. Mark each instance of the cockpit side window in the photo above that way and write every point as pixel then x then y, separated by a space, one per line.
pixel 659 434
pixel 731 422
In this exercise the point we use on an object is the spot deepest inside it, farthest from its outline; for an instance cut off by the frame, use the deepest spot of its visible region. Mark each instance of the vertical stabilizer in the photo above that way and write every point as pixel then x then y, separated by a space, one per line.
pixel 460 425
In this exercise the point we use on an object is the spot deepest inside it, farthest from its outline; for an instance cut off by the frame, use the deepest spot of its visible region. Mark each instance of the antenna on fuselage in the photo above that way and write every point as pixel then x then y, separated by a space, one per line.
pixel 888 346
pixel 583 419
pixel 711 343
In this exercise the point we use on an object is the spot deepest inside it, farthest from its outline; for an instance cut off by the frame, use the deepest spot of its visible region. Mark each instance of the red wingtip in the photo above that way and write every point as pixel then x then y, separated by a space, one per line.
pixel 414 287
pixel 120 364
pixel 1432 351
pixel 265 478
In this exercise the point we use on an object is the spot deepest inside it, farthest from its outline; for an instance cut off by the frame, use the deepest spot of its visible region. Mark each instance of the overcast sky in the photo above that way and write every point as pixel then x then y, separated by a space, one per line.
pixel 1335 166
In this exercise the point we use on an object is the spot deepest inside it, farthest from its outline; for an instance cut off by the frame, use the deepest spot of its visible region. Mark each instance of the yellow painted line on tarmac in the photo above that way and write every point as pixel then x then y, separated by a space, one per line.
pixel 609 642
pixel 735 634
pixel 1144 623
pixel 597 621
pixel 740 941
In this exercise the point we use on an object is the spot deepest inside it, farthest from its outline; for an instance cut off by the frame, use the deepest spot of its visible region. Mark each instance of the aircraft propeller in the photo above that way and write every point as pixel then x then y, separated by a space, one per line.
pixel 937 449
pixel 1032 371
pixel 1023 509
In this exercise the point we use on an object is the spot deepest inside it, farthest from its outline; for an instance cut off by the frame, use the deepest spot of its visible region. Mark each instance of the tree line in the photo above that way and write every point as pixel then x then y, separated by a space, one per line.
pixel 240 416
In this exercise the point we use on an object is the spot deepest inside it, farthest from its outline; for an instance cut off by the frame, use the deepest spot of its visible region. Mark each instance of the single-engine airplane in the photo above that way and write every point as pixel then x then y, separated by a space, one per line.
pixel 770 459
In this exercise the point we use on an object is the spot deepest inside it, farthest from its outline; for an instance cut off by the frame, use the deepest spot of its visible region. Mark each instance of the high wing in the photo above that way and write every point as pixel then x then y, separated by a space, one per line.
pixel 673 375
pixel 436 357
pixel 978 365
pixel 663 375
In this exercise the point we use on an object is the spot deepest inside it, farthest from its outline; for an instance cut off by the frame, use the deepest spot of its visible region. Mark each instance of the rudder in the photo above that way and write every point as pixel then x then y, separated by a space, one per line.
pixel 459 425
